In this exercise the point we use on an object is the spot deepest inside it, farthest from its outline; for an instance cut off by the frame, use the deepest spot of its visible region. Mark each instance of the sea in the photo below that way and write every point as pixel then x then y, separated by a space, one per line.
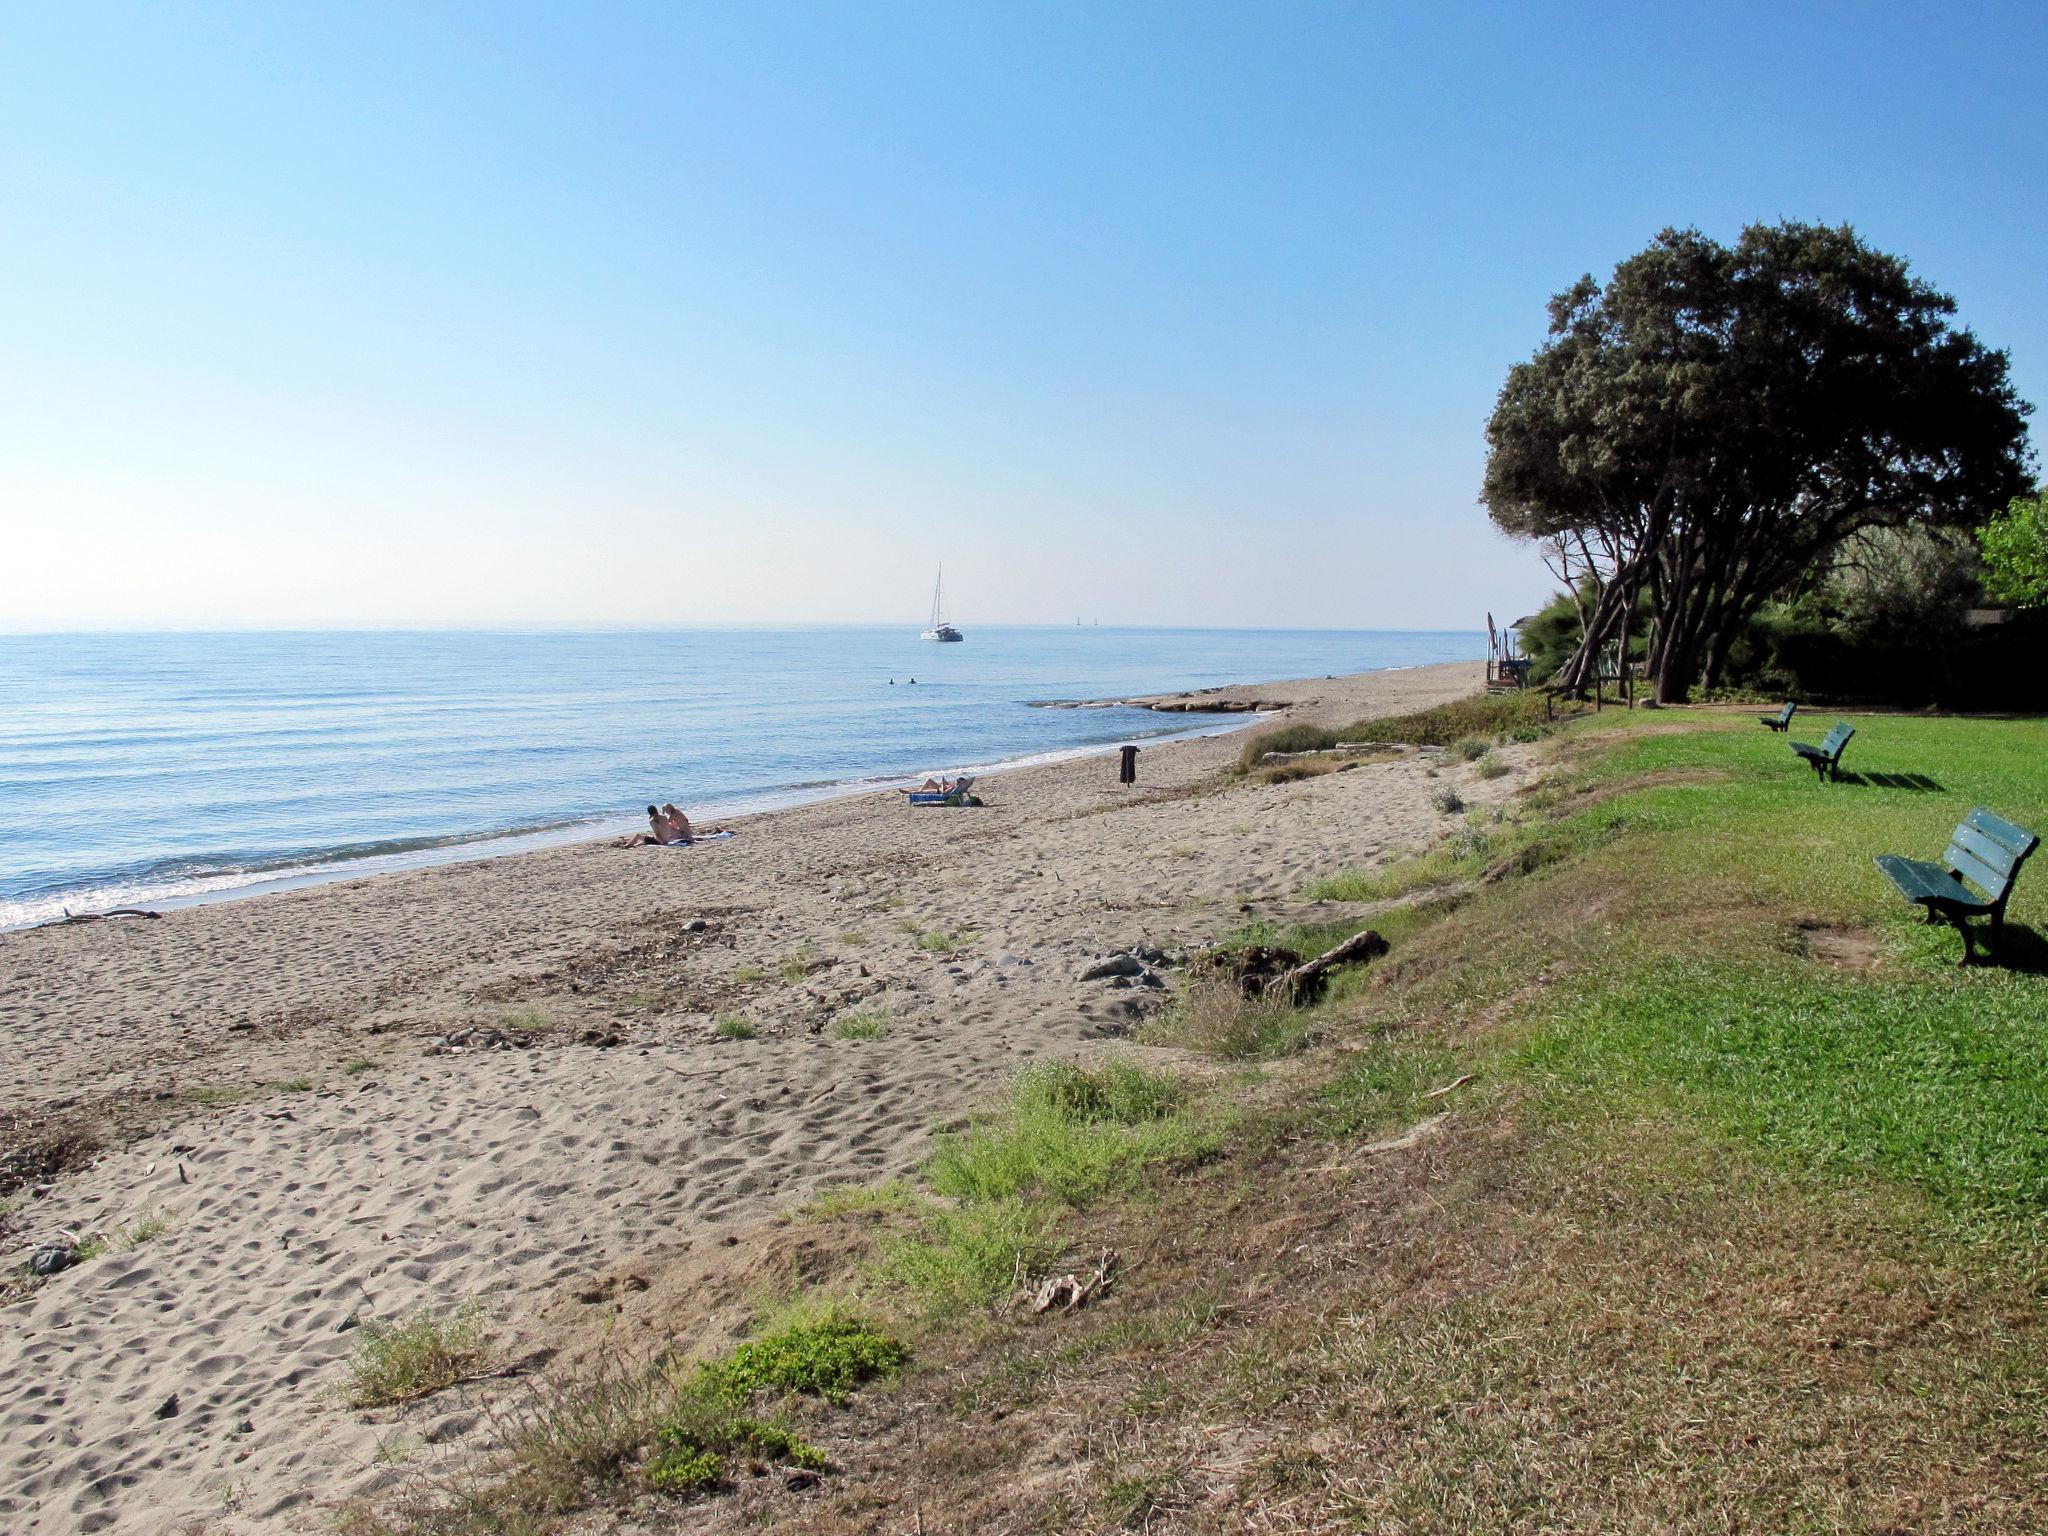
pixel 160 769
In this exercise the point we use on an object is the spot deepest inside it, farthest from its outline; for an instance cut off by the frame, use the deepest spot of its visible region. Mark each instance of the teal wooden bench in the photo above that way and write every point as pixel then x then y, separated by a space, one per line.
pixel 1985 850
pixel 1781 719
pixel 1826 758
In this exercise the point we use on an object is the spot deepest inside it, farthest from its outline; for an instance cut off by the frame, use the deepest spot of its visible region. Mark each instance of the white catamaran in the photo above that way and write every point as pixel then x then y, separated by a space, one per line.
pixel 940 629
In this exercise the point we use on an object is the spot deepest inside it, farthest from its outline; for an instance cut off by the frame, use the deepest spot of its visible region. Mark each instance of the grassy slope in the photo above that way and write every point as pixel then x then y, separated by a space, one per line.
pixel 1722 1236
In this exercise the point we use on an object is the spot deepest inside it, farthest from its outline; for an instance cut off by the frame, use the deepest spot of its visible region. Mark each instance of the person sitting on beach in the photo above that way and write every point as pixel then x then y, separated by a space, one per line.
pixel 662 833
pixel 671 829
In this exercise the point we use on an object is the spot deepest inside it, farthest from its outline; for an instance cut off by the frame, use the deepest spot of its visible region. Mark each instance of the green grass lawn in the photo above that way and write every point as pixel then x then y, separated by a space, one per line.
pixel 1721 940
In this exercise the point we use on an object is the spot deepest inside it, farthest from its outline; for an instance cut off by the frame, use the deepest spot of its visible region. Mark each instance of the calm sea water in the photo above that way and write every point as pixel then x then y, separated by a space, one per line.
pixel 145 768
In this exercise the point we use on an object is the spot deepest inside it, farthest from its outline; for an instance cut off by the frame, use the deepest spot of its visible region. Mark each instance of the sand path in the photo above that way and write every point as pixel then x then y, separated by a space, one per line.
pixel 281 1097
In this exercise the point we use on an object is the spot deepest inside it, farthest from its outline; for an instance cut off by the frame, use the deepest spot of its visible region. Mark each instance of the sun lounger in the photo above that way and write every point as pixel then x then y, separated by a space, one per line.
pixel 954 793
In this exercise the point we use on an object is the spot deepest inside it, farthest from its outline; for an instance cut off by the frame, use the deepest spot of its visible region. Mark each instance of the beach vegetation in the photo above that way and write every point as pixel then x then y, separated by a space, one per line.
pixel 862 1024
pixel 1528 714
pixel 400 1361
pixel 795 967
pixel 124 1239
pixel 819 1349
pixel 853 938
pixel 527 1020
pixel 293 1085
pixel 360 1065
pixel 1470 747
pixel 1489 765
pixel 734 1026
pixel 1063 1137
pixel 749 975
pixel 1448 801
pixel 221 1093
pixel 670 1427
pixel 1300 768
pixel 1218 1019
pixel 939 941
pixel 888 1196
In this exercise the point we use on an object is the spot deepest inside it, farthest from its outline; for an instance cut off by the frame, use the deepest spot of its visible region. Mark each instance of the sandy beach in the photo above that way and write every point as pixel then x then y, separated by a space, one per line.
pixel 501 1082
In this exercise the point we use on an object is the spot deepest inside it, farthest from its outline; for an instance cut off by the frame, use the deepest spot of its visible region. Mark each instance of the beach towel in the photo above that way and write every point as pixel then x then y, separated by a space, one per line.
pixel 708 837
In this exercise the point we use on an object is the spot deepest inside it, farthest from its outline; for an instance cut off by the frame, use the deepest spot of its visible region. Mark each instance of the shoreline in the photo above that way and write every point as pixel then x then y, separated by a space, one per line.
pixel 314 870
pixel 506 1081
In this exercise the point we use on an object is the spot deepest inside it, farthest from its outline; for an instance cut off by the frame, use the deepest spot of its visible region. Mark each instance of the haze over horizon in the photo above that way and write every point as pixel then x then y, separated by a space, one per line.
pixel 1166 315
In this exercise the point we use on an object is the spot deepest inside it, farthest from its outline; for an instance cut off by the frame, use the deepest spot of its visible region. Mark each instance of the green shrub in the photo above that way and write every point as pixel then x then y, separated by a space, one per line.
pixel 1489 765
pixel 733 1026
pixel 824 1355
pixel 1471 748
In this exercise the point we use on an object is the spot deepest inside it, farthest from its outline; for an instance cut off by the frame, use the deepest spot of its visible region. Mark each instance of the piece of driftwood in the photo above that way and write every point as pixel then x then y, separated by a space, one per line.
pixel 1306 979
pixel 1071 1290
pixel 98 917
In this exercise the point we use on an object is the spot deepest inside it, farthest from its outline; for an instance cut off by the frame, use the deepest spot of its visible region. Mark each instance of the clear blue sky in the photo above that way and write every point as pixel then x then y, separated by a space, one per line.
pixel 1157 313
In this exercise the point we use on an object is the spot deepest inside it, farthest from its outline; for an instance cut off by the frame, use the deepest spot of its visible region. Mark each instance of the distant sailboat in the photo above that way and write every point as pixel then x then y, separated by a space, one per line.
pixel 940 629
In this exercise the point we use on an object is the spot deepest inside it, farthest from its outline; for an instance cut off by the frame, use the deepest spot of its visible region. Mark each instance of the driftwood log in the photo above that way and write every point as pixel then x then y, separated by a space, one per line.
pixel 1306 979
pixel 98 917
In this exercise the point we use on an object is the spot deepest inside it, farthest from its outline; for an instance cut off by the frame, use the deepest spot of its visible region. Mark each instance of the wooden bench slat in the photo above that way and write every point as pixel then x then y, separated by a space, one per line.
pixel 1990 881
pixel 2018 839
pixel 1995 860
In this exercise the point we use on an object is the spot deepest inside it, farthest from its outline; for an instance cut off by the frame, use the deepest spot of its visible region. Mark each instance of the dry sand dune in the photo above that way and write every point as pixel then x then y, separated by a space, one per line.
pixel 272 1084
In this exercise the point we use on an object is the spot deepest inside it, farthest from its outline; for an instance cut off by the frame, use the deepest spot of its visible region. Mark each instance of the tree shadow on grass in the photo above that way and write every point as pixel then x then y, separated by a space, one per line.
pixel 1918 782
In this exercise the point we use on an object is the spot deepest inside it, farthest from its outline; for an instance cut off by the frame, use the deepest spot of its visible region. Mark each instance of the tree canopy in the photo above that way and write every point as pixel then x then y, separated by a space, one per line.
pixel 2015 549
pixel 1712 424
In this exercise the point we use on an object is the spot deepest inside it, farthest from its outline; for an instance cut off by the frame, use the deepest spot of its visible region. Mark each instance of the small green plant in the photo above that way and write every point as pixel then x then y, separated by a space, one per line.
pixel 359 1066
pixel 733 1026
pixel 889 904
pixel 294 1085
pixel 679 1467
pixel 863 1024
pixel 220 1093
pixel 853 938
pixel 399 1362
pixel 859 1199
pixel 1470 748
pixel 939 941
pixel 526 1021
pixel 748 975
pixel 796 967
pixel 1489 766
pixel 1448 801
pixel 822 1352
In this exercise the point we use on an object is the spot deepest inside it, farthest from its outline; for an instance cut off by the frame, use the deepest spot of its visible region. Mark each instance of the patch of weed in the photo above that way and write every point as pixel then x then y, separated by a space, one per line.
pixel 398 1362
pixel 733 1026
pixel 862 1024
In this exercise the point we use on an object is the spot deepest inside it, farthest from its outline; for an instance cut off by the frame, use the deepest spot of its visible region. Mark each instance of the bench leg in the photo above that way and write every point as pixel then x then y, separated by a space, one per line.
pixel 1963 927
